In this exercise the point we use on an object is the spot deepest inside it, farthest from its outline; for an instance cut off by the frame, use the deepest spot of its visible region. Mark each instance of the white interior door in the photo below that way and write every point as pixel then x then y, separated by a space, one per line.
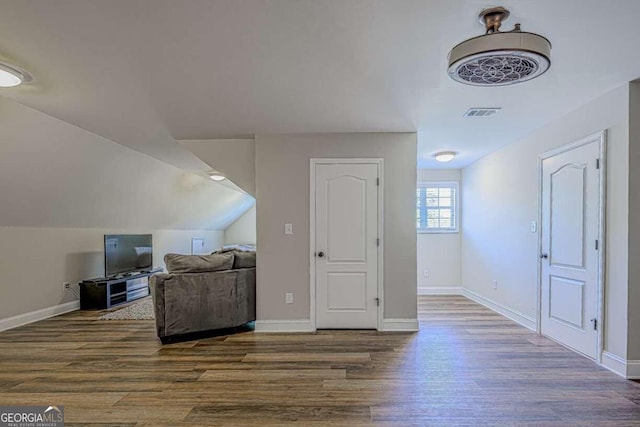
pixel 346 248
pixel 570 261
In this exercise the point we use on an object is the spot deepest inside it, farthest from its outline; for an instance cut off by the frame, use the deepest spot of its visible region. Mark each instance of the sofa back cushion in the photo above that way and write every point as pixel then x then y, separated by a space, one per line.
pixel 198 263
pixel 244 259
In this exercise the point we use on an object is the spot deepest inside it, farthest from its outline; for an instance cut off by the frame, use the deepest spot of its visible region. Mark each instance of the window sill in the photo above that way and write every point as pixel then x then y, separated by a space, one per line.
pixel 437 231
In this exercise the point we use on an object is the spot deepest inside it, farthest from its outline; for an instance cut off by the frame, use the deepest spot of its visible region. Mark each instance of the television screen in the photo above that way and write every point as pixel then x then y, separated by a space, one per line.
pixel 125 253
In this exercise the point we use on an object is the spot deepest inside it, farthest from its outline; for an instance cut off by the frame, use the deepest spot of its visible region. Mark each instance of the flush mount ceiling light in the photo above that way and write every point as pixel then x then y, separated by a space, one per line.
pixel 11 76
pixel 445 156
pixel 499 58
pixel 216 176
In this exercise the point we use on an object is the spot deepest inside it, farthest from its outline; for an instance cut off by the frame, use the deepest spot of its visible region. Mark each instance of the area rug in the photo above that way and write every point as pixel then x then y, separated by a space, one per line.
pixel 140 310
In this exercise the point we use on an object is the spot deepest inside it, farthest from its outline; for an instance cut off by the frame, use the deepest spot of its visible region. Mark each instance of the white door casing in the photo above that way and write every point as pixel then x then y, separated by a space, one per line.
pixel 571 245
pixel 345 232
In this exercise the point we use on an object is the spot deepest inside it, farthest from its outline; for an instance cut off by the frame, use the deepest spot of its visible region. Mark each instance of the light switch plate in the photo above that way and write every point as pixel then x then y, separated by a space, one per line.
pixel 288 229
pixel 534 226
pixel 288 298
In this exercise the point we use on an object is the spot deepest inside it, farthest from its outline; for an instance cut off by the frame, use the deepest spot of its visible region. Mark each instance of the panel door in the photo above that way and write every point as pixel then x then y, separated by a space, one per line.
pixel 346 253
pixel 570 215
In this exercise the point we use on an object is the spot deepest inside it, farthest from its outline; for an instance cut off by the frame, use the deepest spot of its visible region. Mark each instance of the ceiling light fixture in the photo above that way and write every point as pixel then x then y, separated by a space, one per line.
pixel 499 58
pixel 11 76
pixel 445 156
pixel 216 176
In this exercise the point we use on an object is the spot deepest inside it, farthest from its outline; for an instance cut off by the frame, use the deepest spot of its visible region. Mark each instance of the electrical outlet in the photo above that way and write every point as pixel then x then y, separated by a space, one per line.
pixel 288 298
pixel 425 274
pixel 495 284
pixel 65 286
pixel 288 229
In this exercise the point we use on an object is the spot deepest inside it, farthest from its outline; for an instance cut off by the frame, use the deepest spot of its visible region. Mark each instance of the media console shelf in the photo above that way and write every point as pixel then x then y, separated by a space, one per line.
pixel 104 293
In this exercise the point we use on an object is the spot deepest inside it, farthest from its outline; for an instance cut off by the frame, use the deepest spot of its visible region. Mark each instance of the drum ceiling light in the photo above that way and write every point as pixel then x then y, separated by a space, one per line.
pixel 499 58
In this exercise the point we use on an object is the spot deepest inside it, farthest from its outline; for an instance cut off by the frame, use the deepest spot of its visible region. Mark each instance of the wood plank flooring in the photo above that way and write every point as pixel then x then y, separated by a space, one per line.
pixel 467 366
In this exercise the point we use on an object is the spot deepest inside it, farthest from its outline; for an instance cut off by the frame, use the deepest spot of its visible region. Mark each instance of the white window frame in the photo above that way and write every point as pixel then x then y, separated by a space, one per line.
pixel 456 214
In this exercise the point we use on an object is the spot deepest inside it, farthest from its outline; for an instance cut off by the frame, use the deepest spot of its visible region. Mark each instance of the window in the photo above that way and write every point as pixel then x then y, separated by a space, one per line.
pixel 437 207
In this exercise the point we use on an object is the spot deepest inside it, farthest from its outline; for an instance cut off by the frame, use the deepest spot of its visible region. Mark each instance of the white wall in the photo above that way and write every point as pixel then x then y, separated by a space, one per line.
pixel 243 230
pixel 439 253
pixel 179 242
pixel 36 261
pixel 62 188
pixel 634 224
pixel 499 196
pixel 282 190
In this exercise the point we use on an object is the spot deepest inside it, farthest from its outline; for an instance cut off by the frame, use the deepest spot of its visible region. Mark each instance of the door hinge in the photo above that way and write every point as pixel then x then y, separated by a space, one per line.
pixel 597 163
pixel 595 324
pixel 378 242
pixel 596 245
pixel 378 182
pixel 378 302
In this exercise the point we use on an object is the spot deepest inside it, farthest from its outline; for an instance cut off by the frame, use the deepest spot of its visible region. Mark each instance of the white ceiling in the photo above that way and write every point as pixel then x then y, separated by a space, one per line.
pixel 145 73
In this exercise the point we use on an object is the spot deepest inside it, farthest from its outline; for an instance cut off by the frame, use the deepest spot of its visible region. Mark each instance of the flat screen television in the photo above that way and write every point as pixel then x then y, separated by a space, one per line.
pixel 124 253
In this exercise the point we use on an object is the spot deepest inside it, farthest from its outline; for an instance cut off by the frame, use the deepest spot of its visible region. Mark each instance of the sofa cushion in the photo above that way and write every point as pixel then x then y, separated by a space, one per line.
pixel 198 263
pixel 244 259
pixel 236 247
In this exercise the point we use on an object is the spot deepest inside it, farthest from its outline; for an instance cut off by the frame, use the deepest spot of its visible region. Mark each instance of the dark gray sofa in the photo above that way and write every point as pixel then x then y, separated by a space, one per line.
pixel 204 292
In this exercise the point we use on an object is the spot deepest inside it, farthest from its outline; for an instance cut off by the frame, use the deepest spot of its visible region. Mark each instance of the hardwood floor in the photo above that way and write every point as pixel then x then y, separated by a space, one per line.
pixel 467 366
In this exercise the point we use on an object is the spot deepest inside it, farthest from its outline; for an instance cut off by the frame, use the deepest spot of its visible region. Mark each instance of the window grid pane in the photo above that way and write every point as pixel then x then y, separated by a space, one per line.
pixel 436 207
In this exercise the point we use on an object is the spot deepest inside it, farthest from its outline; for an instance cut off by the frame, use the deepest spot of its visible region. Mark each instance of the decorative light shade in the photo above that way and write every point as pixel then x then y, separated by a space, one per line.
pixel 445 156
pixel 499 58
pixel 217 176
pixel 11 76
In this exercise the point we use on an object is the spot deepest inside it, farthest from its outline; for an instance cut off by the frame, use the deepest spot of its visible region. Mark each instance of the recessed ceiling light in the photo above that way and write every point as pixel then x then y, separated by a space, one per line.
pixel 11 76
pixel 216 176
pixel 445 156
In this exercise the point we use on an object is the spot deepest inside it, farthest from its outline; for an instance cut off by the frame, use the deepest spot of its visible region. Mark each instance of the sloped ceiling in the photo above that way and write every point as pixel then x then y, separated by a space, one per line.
pixel 53 174
pixel 144 73
pixel 234 158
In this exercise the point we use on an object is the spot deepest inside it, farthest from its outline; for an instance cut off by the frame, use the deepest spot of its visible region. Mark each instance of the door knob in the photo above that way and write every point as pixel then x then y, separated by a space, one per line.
pixel 544 256
pixel 320 254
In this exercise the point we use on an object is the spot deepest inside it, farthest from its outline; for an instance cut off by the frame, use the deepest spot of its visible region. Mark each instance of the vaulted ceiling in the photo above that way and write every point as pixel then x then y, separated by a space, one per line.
pixel 145 73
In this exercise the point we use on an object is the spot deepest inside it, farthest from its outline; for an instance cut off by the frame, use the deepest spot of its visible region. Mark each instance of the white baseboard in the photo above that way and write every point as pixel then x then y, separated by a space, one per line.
pixel 400 325
pixel 629 369
pixel 304 325
pixel 633 369
pixel 34 316
pixel 440 290
pixel 614 363
pixel 286 326
pixel 522 319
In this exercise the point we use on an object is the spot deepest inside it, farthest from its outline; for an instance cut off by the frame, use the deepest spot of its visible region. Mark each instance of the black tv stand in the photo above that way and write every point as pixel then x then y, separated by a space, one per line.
pixel 107 292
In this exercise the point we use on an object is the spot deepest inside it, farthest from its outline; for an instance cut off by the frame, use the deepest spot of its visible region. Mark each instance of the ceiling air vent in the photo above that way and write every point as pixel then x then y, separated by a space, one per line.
pixel 481 112
pixel 499 58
